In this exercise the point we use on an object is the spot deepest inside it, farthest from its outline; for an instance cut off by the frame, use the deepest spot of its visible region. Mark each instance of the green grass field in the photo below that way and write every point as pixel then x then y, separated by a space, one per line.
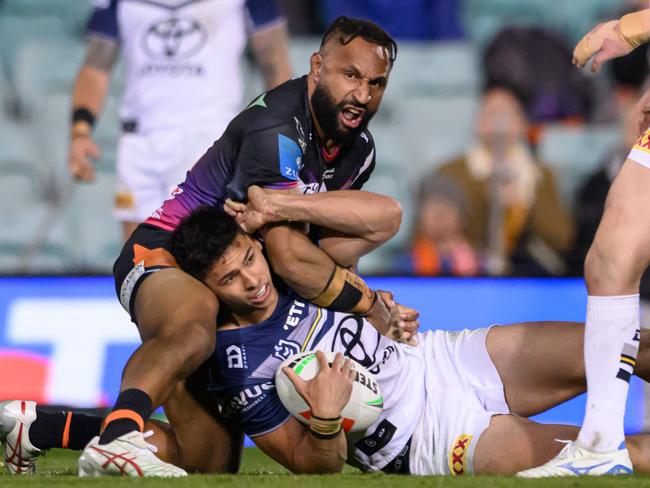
pixel 57 468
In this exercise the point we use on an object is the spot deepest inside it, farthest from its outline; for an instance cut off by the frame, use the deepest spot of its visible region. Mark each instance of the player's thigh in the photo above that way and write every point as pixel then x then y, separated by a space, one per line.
pixel 204 441
pixel 170 302
pixel 522 354
pixel 621 248
pixel 511 444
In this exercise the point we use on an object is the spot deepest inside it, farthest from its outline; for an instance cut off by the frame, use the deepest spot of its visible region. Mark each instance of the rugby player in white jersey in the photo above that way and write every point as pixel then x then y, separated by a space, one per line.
pixel 454 404
pixel 618 256
pixel 182 87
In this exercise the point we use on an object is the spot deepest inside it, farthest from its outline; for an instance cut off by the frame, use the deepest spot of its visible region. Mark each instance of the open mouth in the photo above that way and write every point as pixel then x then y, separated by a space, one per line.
pixel 261 294
pixel 352 116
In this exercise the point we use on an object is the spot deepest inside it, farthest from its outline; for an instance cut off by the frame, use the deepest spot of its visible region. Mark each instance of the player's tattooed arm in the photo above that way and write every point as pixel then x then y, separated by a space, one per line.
pixel 271 50
pixel 88 96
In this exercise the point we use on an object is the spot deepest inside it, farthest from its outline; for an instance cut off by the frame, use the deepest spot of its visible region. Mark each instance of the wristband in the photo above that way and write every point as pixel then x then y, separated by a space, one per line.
pixel 325 428
pixel 82 114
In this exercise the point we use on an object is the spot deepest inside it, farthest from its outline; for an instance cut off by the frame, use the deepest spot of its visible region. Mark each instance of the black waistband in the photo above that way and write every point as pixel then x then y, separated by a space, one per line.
pixel 129 126
pixel 400 464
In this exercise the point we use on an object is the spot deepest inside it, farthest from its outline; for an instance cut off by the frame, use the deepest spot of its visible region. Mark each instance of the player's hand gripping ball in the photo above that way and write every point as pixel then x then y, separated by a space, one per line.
pixel 366 402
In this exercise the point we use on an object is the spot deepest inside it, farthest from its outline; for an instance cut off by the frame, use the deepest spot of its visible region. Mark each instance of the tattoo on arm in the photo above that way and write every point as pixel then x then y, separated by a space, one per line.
pixel 101 53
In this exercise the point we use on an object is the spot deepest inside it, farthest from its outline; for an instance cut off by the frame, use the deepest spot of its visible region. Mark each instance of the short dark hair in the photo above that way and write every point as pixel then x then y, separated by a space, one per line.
pixel 347 29
pixel 201 239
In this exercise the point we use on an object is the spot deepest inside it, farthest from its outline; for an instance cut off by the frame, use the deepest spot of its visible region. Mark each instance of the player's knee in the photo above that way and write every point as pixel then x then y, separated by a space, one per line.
pixel 392 218
pixel 610 271
pixel 195 343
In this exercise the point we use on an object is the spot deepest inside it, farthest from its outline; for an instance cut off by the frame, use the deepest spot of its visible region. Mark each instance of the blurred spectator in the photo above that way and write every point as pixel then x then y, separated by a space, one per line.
pixel 407 19
pixel 182 87
pixel 536 65
pixel 439 246
pixel 514 215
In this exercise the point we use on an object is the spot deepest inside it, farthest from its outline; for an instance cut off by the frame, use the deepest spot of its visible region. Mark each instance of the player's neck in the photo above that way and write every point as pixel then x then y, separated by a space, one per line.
pixel 253 317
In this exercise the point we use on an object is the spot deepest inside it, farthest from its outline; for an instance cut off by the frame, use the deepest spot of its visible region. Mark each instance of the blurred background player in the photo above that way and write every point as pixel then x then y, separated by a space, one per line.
pixel 616 260
pixel 183 85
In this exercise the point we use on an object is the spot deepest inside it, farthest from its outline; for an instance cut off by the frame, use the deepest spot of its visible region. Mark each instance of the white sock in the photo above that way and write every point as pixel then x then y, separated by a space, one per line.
pixel 611 346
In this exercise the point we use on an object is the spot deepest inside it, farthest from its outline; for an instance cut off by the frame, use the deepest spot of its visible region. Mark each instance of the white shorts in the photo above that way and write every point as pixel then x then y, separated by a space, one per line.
pixel 463 392
pixel 150 166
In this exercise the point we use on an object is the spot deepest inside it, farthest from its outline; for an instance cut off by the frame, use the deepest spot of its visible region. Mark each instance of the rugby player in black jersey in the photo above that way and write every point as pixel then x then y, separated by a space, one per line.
pixel 307 135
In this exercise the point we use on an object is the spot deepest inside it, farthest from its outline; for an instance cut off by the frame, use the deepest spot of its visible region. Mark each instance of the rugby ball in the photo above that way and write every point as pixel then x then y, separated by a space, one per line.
pixel 366 402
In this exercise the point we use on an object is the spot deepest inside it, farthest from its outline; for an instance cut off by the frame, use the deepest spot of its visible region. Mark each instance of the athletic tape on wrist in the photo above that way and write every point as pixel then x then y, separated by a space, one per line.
pixel 325 428
pixel 346 292
pixel 635 28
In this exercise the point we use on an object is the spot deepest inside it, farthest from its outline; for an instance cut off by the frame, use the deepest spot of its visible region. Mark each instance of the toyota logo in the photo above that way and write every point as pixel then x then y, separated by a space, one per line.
pixel 174 39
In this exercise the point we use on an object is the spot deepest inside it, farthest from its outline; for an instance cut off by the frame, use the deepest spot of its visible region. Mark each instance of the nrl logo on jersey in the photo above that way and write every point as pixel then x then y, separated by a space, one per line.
pixel 285 349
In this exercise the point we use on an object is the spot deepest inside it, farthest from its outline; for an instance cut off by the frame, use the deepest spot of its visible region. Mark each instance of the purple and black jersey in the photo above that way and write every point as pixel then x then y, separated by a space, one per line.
pixel 273 144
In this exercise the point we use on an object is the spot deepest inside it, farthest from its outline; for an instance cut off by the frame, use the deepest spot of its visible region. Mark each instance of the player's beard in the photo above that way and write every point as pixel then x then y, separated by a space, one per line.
pixel 327 113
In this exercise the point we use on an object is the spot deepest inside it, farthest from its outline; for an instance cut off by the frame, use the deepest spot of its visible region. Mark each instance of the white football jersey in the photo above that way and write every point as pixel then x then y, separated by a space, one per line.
pixel 181 57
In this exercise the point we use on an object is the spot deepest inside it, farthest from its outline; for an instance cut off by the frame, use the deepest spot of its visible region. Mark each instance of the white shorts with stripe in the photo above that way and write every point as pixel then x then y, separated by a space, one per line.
pixel 463 392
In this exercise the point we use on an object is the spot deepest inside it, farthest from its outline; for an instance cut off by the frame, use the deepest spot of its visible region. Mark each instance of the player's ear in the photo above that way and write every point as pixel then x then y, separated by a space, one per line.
pixel 315 65
pixel 258 244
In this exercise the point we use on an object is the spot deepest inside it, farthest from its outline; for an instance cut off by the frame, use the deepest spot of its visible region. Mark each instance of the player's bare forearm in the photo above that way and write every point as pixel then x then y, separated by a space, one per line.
pixel 271 49
pixel 296 449
pixel 371 216
pixel 313 456
pixel 304 266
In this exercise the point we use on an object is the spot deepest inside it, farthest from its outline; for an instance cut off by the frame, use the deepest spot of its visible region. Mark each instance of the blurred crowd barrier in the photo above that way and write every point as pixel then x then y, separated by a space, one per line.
pixel 51 225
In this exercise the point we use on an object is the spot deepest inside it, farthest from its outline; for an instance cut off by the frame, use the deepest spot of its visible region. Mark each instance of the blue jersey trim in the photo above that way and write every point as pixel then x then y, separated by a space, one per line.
pixel 103 21
pixel 263 12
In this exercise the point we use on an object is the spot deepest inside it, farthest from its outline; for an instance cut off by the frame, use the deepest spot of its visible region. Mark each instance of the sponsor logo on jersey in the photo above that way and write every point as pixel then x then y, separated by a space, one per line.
pixel 309 188
pixel 295 315
pixel 328 174
pixel 174 39
pixel 289 156
pixel 285 349
pixel 364 136
pixel 249 397
pixel 236 357
pixel 458 454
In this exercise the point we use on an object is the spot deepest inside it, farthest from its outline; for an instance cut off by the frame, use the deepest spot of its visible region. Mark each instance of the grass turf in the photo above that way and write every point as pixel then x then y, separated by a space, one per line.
pixel 57 468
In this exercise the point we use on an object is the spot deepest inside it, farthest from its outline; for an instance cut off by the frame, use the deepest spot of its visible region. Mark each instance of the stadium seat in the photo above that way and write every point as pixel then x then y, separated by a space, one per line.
pixel 93 236
pixel 433 129
pixel 574 153
pixel 16 30
pixel 45 66
pixel 73 14
pixel 435 69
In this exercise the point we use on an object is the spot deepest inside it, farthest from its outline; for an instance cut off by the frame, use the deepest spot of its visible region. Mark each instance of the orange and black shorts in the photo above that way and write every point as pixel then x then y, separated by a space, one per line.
pixel 146 252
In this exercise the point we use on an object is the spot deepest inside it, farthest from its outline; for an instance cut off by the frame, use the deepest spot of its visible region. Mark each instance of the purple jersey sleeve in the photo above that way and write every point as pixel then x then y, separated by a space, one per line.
pixel 262 13
pixel 103 20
